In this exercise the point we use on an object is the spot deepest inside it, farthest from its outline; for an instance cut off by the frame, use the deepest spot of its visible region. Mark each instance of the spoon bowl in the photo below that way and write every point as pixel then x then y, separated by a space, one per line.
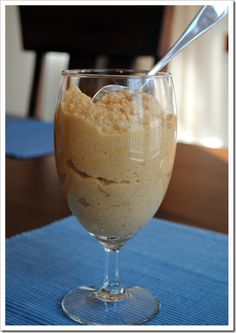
pixel 107 90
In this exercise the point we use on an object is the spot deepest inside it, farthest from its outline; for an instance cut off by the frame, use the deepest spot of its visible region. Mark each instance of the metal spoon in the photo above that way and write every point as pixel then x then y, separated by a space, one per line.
pixel 205 19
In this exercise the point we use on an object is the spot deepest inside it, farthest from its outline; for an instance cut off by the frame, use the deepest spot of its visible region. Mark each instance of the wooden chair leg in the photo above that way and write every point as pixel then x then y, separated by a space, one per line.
pixel 35 84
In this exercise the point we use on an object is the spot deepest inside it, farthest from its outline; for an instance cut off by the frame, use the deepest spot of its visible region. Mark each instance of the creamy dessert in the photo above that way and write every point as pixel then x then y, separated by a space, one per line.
pixel 114 158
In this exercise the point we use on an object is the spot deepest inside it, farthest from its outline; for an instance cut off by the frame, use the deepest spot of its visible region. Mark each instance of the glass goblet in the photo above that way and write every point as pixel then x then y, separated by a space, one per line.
pixel 114 158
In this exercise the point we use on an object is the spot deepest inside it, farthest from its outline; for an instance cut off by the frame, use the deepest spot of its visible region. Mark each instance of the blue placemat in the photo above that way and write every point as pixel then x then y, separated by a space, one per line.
pixel 28 138
pixel 186 267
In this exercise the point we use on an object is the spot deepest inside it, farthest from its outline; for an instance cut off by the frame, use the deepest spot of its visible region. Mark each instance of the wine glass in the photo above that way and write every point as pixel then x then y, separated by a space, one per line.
pixel 114 158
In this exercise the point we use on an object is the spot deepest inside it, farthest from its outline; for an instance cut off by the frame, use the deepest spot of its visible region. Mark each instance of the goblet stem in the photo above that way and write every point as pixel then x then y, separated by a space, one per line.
pixel 111 290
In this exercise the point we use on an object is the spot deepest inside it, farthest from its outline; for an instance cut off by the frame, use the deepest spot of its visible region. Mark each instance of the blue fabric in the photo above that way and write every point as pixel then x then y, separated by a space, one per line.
pixel 186 267
pixel 28 138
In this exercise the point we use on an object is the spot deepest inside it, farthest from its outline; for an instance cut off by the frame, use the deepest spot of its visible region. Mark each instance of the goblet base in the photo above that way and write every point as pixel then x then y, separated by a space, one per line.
pixel 84 306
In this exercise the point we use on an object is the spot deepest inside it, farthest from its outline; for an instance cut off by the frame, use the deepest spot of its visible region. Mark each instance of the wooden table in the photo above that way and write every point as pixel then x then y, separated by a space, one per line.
pixel 197 194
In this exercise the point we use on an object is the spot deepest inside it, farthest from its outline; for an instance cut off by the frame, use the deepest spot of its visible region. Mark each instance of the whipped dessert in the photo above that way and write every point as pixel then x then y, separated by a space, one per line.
pixel 114 158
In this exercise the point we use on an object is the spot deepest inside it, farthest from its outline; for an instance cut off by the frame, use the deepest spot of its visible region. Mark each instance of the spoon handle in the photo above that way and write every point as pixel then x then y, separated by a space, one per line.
pixel 206 18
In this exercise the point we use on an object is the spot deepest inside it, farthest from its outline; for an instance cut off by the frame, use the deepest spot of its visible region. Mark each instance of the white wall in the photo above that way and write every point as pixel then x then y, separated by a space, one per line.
pixel 200 74
pixel 19 66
